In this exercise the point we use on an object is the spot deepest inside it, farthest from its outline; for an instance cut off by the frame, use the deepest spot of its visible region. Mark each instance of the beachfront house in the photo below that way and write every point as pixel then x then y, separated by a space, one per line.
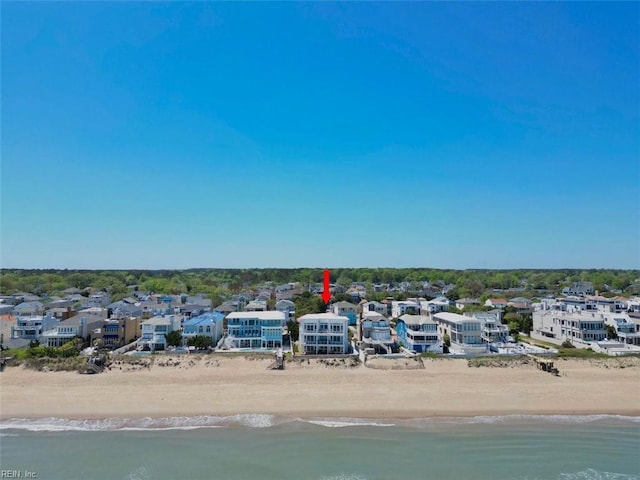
pixel 206 325
pixel 256 329
pixel 31 327
pixel 376 333
pixel 626 329
pixel 117 332
pixel 418 333
pixel 492 329
pixel 346 309
pixel 324 333
pixel 80 325
pixel 574 325
pixel 154 331
pixel 465 333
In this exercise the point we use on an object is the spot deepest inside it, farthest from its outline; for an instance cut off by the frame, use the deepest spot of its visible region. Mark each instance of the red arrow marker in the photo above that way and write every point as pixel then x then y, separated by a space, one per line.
pixel 326 294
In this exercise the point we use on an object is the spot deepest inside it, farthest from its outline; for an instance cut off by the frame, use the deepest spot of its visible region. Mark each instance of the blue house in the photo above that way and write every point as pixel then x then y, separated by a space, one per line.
pixel 418 333
pixel 256 329
pixel 208 325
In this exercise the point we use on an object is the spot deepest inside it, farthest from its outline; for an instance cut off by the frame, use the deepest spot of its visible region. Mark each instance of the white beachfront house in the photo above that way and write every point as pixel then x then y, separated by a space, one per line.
pixel 419 333
pixel 492 330
pixel 400 307
pixel 627 330
pixel 376 332
pixel 324 333
pixel 256 329
pixel 465 333
pixel 577 326
pixel 155 329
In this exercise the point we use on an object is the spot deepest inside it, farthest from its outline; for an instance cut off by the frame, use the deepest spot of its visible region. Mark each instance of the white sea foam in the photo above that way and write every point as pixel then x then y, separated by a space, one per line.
pixel 140 473
pixel 591 474
pixel 349 422
pixel 517 418
pixel 344 476
pixel 259 420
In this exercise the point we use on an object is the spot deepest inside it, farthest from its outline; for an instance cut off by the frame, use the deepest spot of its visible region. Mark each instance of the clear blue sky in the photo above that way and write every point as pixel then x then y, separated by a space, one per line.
pixel 453 135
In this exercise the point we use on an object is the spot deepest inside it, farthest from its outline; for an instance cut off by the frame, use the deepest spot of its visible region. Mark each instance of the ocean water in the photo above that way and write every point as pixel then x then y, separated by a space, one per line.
pixel 269 447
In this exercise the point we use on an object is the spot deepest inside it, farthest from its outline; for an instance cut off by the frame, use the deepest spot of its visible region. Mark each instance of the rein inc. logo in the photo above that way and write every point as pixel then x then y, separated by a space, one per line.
pixel 5 473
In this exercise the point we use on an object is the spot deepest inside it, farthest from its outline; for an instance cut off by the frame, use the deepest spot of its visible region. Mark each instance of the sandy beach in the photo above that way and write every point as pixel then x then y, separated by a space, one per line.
pixel 216 385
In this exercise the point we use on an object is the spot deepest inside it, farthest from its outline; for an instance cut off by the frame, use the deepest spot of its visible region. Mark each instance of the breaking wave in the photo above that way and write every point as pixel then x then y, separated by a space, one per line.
pixel 52 424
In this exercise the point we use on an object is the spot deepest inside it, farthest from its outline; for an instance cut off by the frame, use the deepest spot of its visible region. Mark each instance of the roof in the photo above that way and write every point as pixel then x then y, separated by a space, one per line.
pixel 454 317
pixel 158 321
pixel 267 315
pixel 467 300
pixel 373 316
pixel 416 319
pixel 345 304
pixel 207 318
pixel 322 316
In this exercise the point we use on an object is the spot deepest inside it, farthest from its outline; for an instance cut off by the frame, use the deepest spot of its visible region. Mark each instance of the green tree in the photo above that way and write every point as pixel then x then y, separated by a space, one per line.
pixel 201 342
pixel 294 330
pixel 174 338
pixel 611 332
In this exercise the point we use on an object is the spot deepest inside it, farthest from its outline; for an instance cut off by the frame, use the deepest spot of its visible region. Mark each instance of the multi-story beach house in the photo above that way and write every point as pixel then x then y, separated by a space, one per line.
pixel 627 330
pixel 324 333
pixel 574 325
pixel 374 307
pixel 465 333
pixel 419 333
pixel 31 327
pixel 439 304
pixel 154 331
pixel 117 332
pixel 80 325
pixel 208 325
pixel 376 332
pixel 346 309
pixel 287 307
pixel 400 307
pixel 256 329
pixel 492 329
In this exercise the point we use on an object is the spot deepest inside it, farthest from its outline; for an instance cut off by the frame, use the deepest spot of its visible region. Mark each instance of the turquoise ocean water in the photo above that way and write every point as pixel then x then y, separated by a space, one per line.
pixel 268 447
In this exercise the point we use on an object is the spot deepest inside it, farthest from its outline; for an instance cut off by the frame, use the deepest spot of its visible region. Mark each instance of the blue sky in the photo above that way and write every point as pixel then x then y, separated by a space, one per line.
pixel 450 135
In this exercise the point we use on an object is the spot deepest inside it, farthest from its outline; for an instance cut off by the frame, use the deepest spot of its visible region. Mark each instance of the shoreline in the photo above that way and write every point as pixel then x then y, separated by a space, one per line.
pixel 238 386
